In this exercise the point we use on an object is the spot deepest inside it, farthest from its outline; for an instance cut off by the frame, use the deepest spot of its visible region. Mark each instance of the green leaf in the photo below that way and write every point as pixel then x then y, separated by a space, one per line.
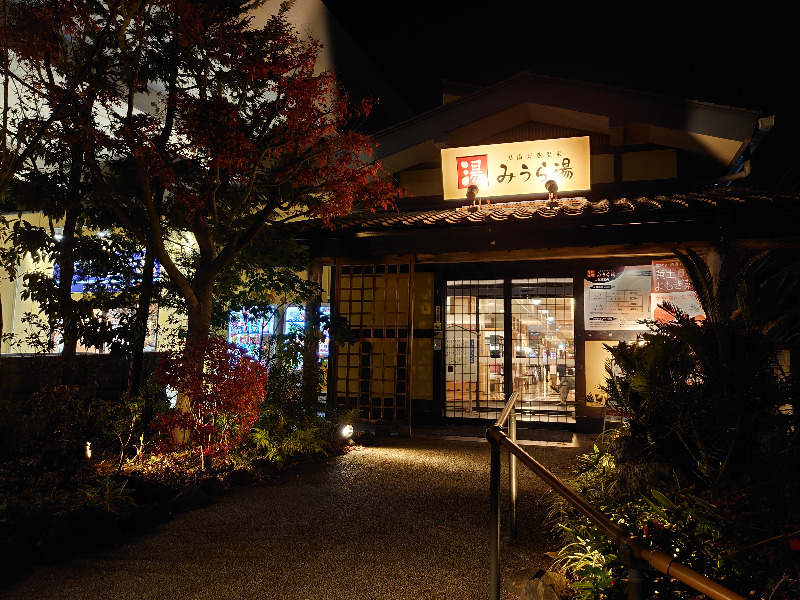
pixel 663 500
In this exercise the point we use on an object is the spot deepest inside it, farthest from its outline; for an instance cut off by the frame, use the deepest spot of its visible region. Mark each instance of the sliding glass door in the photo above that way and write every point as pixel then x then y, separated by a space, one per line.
pixel 488 356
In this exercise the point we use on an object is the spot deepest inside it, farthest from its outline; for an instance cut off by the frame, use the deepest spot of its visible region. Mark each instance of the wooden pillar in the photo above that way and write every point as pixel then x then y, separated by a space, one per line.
pixel 312 337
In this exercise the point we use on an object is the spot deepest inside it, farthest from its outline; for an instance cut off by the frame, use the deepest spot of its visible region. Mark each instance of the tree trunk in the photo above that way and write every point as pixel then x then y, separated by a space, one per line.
pixel 311 341
pixel 66 266
pixel 198 326
pixel 139 336
pixel 2 379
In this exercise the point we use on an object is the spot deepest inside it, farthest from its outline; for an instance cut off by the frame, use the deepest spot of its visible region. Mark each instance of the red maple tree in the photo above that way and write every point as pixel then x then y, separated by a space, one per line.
pixel 200 131
pixel 246 136
pixel 193 120
pixel 226 394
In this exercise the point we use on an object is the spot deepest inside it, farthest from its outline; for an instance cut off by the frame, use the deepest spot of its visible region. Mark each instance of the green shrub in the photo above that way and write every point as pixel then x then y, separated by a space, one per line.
pixel 107 493
pixel 279 439
pixel 748 541
pixel 706 467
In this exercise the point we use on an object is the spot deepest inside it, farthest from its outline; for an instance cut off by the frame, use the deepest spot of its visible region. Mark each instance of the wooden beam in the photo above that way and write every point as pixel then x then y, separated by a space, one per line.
pixel 577 252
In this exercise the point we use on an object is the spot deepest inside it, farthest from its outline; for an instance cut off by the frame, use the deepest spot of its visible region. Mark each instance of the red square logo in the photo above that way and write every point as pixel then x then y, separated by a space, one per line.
pixel 472 170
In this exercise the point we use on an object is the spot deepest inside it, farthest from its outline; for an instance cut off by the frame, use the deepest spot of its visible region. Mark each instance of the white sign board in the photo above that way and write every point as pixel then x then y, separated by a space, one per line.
pixel 617 299
pixel 516 168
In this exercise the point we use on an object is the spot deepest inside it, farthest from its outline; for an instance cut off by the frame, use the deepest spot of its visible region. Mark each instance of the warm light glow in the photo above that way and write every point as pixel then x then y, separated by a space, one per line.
pixel 347 431
pixel 517 168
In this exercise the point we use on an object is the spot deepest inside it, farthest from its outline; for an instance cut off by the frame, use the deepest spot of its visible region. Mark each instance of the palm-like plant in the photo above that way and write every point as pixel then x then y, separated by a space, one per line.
pixel 714 402
pixel 707 395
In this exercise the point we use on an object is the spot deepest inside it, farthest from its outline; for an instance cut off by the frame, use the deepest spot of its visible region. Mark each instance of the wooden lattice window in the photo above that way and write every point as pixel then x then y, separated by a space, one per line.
pixel 373 373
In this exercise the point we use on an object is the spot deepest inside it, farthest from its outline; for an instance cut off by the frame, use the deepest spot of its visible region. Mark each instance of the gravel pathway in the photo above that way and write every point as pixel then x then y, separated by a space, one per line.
pixel 405 519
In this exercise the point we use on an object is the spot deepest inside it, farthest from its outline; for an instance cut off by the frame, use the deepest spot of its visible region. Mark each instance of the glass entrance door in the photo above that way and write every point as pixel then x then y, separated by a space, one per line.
pixel 474 348
pixel 543 339
pixel 534 350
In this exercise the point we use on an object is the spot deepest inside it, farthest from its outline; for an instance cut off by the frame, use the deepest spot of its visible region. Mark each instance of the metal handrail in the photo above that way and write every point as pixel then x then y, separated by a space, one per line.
pixel 633 551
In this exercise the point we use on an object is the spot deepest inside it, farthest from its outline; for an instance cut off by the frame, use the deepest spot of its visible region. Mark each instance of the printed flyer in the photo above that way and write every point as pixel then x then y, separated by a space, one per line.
pixel 617 299
pixel 671 284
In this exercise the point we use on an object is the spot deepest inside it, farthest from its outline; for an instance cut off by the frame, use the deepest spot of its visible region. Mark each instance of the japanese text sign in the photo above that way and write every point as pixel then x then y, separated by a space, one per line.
pixel 617 298
pixel 670 276
pixel 516 168
pixel 670 284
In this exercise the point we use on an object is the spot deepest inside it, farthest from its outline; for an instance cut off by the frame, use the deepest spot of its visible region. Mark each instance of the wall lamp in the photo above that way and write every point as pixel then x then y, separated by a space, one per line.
pixel 552 187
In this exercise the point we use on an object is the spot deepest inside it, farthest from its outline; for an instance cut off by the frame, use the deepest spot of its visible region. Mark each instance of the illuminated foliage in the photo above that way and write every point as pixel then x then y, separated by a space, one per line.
pixel 201 131
pixel 226 393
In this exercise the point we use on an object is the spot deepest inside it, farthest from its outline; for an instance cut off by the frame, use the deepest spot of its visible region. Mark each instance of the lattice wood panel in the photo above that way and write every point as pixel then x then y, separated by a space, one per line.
pixel 373 373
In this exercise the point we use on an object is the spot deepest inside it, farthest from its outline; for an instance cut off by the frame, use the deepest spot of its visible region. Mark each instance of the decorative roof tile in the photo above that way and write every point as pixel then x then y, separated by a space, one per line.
pixel 624 209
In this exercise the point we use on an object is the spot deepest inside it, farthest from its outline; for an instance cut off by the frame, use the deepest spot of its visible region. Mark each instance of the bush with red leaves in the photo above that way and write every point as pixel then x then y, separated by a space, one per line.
pixel 224 388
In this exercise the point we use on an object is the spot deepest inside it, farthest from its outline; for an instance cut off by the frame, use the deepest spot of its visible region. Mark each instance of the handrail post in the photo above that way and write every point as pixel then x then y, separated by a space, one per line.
pixel 494 518
pixel 635 578
pixel 512 477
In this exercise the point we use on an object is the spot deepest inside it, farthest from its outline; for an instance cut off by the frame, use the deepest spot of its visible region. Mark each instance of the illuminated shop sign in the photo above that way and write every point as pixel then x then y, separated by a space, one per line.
pixel 517 168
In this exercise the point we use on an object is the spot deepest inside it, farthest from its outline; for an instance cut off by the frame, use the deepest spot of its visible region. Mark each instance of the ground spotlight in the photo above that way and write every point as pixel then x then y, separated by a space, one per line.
pixel 346 431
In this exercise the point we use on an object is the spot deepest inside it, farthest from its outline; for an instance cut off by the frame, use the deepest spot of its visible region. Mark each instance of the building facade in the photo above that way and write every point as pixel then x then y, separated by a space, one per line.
pixel 462 296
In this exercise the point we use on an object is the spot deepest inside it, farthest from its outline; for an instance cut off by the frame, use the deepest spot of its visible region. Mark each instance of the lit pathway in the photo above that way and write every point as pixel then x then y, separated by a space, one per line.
pixel 407 519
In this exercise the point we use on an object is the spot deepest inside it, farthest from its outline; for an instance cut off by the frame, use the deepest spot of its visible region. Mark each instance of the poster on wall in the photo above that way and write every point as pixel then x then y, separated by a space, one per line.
pixel 670 283
pixel 617 298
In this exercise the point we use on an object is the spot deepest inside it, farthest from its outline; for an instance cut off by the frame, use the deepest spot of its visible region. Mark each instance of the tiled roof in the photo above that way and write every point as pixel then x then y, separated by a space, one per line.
pixel 617 210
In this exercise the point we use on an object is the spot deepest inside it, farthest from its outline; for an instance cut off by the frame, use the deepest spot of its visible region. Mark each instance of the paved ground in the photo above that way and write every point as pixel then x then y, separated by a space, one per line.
pixel 405 519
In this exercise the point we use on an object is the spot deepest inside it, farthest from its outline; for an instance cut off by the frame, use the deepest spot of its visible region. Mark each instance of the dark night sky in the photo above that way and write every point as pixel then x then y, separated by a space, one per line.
pixel 746 60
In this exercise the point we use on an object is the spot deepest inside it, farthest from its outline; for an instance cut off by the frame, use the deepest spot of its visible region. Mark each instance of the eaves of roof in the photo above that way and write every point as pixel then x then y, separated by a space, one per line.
pixel 563 213
pixel 614 103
